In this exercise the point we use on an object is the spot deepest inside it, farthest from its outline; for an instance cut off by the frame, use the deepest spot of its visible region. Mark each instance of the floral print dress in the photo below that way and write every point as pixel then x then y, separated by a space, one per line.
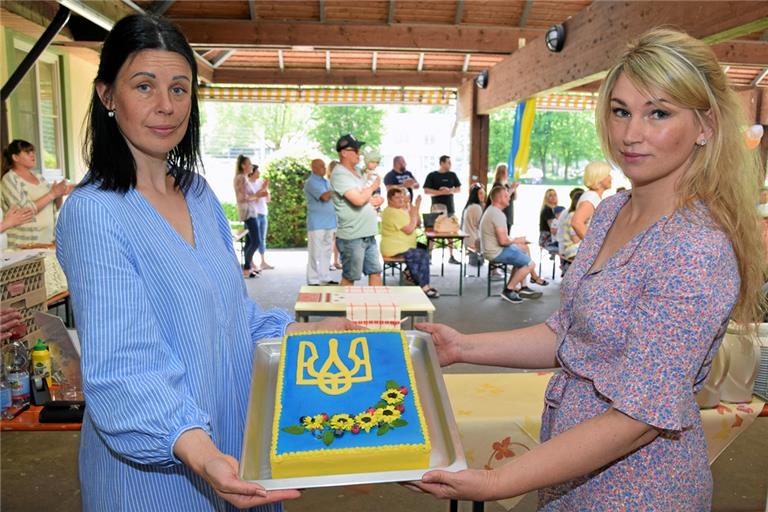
pixel 639 335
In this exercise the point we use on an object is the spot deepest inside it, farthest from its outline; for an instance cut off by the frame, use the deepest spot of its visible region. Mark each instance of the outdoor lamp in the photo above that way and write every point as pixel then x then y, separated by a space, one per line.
pixel 482 79
pixel 555 38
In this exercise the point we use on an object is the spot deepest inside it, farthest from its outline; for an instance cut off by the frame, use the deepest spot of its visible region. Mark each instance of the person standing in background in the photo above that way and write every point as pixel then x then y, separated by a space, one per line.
pixel 441 185
pixel 355 202
pixel 501 177
pixel 597 178
pixel 25 187
pixel 259 196
pixel 321 225
pixel 399 176
pixel 246 213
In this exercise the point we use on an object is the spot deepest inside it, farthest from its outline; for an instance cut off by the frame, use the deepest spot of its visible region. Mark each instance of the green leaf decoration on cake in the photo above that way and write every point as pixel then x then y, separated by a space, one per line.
pixel 384 416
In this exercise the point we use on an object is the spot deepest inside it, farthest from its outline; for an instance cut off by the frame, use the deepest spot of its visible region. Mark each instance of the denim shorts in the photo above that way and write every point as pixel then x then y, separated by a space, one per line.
pixel 359 256
pixel 513 255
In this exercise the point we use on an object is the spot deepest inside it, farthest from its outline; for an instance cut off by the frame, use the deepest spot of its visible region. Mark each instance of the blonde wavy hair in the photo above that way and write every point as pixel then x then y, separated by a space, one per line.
pixel 723 174
pixel 594 173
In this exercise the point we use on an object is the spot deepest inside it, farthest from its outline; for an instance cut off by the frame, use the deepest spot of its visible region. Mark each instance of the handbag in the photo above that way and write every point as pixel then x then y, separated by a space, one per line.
pixel 446 224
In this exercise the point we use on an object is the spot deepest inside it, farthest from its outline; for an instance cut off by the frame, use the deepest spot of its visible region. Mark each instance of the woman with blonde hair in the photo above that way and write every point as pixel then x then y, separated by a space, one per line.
pixel 597 179
pixel 621 429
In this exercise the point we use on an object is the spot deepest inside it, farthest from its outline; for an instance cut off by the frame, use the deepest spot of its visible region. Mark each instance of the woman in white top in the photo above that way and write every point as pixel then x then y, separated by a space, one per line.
pixel 470 219
pixel 597 178
pixel 24 187
pixel 258 197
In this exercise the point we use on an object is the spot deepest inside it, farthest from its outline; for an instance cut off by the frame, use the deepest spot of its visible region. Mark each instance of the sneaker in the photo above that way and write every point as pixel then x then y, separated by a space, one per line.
pixel 527 293
pixel 454 261
pixel 511 296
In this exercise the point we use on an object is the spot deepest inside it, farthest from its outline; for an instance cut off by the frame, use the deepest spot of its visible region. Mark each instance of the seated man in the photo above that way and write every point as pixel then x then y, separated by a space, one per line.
pixel 498 247
pixel 398 237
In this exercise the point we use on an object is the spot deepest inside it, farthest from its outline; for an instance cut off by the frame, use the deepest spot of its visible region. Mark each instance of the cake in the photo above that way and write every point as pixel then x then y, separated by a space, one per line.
pixel 347 402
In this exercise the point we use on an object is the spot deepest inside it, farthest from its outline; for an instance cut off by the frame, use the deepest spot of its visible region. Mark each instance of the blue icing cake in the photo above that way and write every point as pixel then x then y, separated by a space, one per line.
pixel 347 402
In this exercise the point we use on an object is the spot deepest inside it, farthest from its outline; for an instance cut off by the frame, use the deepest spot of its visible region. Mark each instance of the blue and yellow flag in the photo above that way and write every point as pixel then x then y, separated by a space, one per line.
pixel 520 151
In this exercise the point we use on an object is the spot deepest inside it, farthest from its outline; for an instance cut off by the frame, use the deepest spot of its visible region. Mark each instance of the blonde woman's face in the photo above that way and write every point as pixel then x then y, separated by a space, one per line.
pixel 552 198
pixel 651 138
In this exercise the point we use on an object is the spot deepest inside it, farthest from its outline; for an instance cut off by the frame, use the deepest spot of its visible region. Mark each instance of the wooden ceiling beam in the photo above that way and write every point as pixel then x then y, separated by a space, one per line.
pixel 339 77
pixel 249 34
pixel 596 36
pixel 752 53
pixel 160 7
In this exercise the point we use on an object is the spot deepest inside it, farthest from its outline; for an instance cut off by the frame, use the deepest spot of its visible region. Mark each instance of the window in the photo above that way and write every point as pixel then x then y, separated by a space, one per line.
pixel 36 107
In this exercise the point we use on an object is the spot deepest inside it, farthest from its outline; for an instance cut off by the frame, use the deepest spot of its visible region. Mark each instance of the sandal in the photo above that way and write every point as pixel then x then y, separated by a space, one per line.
pixel 540 282
pixel 254 273
pixel 432 293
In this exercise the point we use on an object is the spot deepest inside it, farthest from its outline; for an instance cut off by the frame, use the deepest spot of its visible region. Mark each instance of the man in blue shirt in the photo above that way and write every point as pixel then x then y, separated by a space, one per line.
pixel 321 225
pixel 399 176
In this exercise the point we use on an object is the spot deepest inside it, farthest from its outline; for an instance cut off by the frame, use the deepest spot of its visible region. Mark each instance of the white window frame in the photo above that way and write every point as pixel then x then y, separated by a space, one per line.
pixel 48 58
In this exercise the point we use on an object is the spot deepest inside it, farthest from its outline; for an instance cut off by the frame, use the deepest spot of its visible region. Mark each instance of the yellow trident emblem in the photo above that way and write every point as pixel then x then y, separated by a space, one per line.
pixel 334 377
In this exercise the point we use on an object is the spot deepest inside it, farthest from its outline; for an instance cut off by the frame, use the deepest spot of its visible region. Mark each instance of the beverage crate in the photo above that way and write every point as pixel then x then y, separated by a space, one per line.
pixel 22 287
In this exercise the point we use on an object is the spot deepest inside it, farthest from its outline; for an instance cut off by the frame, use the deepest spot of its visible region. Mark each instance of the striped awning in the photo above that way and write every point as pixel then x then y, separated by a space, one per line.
pixel 329 95
pixel 364 96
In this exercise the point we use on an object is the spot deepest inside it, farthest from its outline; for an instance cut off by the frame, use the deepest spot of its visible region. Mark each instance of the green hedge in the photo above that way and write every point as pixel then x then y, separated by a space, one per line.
pixel 287 208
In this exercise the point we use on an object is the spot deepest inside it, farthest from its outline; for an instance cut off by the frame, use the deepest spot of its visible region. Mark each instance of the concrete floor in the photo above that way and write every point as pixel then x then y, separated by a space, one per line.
pixel 39 470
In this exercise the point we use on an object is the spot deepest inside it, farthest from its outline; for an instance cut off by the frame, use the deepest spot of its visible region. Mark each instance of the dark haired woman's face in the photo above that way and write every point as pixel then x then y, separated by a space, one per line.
pixel 25 158
pixel 152 99
pixel 481 195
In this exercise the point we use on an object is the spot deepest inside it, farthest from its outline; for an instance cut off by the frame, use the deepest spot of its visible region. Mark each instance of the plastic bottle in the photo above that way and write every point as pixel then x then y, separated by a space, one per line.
pixel 16 358
pixel 41 361
pixel 5 396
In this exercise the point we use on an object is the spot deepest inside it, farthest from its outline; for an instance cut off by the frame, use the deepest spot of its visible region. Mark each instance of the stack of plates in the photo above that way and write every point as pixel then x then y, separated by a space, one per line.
pixel 761 383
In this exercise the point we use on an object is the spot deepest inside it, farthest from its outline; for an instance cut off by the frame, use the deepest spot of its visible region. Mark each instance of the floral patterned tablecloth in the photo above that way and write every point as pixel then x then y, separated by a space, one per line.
pixel 499 417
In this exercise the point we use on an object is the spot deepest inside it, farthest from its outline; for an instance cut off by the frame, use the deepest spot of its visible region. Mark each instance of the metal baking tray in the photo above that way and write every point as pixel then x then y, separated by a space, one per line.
pixel 447 452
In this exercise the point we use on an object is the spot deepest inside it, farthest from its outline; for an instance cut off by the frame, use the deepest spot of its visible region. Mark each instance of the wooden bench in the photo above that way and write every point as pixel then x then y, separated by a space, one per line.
pixel 241 237
pixel 392 263
pixel 478 254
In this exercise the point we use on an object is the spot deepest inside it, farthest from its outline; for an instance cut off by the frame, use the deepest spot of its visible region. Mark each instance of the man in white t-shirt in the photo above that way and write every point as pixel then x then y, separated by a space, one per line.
pixel 498 247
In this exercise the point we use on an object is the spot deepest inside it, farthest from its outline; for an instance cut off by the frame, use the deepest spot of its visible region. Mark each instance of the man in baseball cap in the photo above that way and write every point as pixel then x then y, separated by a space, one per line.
pixel 348 141
pixel 355 202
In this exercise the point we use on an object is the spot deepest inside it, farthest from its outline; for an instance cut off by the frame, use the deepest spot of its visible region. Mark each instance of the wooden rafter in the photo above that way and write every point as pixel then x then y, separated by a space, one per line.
pixel 244 33
pixel 391 12
pixel 350 77
pixel 742 52
pixel 585 58
pixel 759 77
pixel 221 58
pixel 252 12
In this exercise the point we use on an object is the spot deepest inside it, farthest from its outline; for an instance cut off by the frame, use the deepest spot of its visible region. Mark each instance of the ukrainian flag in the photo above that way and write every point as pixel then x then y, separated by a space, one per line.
pixel 520 151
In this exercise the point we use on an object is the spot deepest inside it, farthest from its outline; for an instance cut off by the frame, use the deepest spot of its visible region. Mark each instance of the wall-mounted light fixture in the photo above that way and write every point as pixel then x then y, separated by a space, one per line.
pixel 482 79
pixel 555 38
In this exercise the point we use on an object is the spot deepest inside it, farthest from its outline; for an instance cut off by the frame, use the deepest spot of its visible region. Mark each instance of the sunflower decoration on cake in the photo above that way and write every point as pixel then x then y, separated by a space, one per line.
pixel 385 415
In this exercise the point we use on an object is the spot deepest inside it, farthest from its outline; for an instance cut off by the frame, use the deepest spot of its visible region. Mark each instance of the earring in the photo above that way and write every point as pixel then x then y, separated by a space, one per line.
pixel 111 113
pixel 702 143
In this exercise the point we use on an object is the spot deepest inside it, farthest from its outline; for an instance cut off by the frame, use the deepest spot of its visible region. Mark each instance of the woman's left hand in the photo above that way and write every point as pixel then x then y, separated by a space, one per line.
pixel 221 473
pixel 469 484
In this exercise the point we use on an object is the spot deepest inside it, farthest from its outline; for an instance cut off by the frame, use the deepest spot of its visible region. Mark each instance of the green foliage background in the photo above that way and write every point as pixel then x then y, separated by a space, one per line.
pixel 287 209
pixel 330 123
pixel 560 141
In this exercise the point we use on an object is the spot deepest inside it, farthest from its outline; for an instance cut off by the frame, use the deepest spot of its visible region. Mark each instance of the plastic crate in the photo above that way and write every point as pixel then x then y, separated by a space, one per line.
pixel 22 278
pixel 761 383
pixel 23 288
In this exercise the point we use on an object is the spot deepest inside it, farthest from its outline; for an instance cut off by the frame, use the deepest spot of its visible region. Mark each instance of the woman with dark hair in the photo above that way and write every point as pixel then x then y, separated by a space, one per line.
pixel 24 189
pixel 470 220
pixel 243 168
pixel 166 325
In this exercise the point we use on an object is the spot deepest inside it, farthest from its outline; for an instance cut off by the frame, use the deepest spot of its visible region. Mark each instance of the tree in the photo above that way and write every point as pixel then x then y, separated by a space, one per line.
pixel 242 124
pixel 287 210
pixel 500 136
pixel 331 122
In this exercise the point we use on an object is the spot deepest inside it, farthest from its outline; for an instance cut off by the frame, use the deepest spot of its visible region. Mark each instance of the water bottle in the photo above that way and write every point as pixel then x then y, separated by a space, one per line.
pixel 16 358
pixel 5 396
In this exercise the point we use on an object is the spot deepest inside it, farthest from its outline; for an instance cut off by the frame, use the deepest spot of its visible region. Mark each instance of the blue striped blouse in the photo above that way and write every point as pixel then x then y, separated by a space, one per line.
pixel 167 334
